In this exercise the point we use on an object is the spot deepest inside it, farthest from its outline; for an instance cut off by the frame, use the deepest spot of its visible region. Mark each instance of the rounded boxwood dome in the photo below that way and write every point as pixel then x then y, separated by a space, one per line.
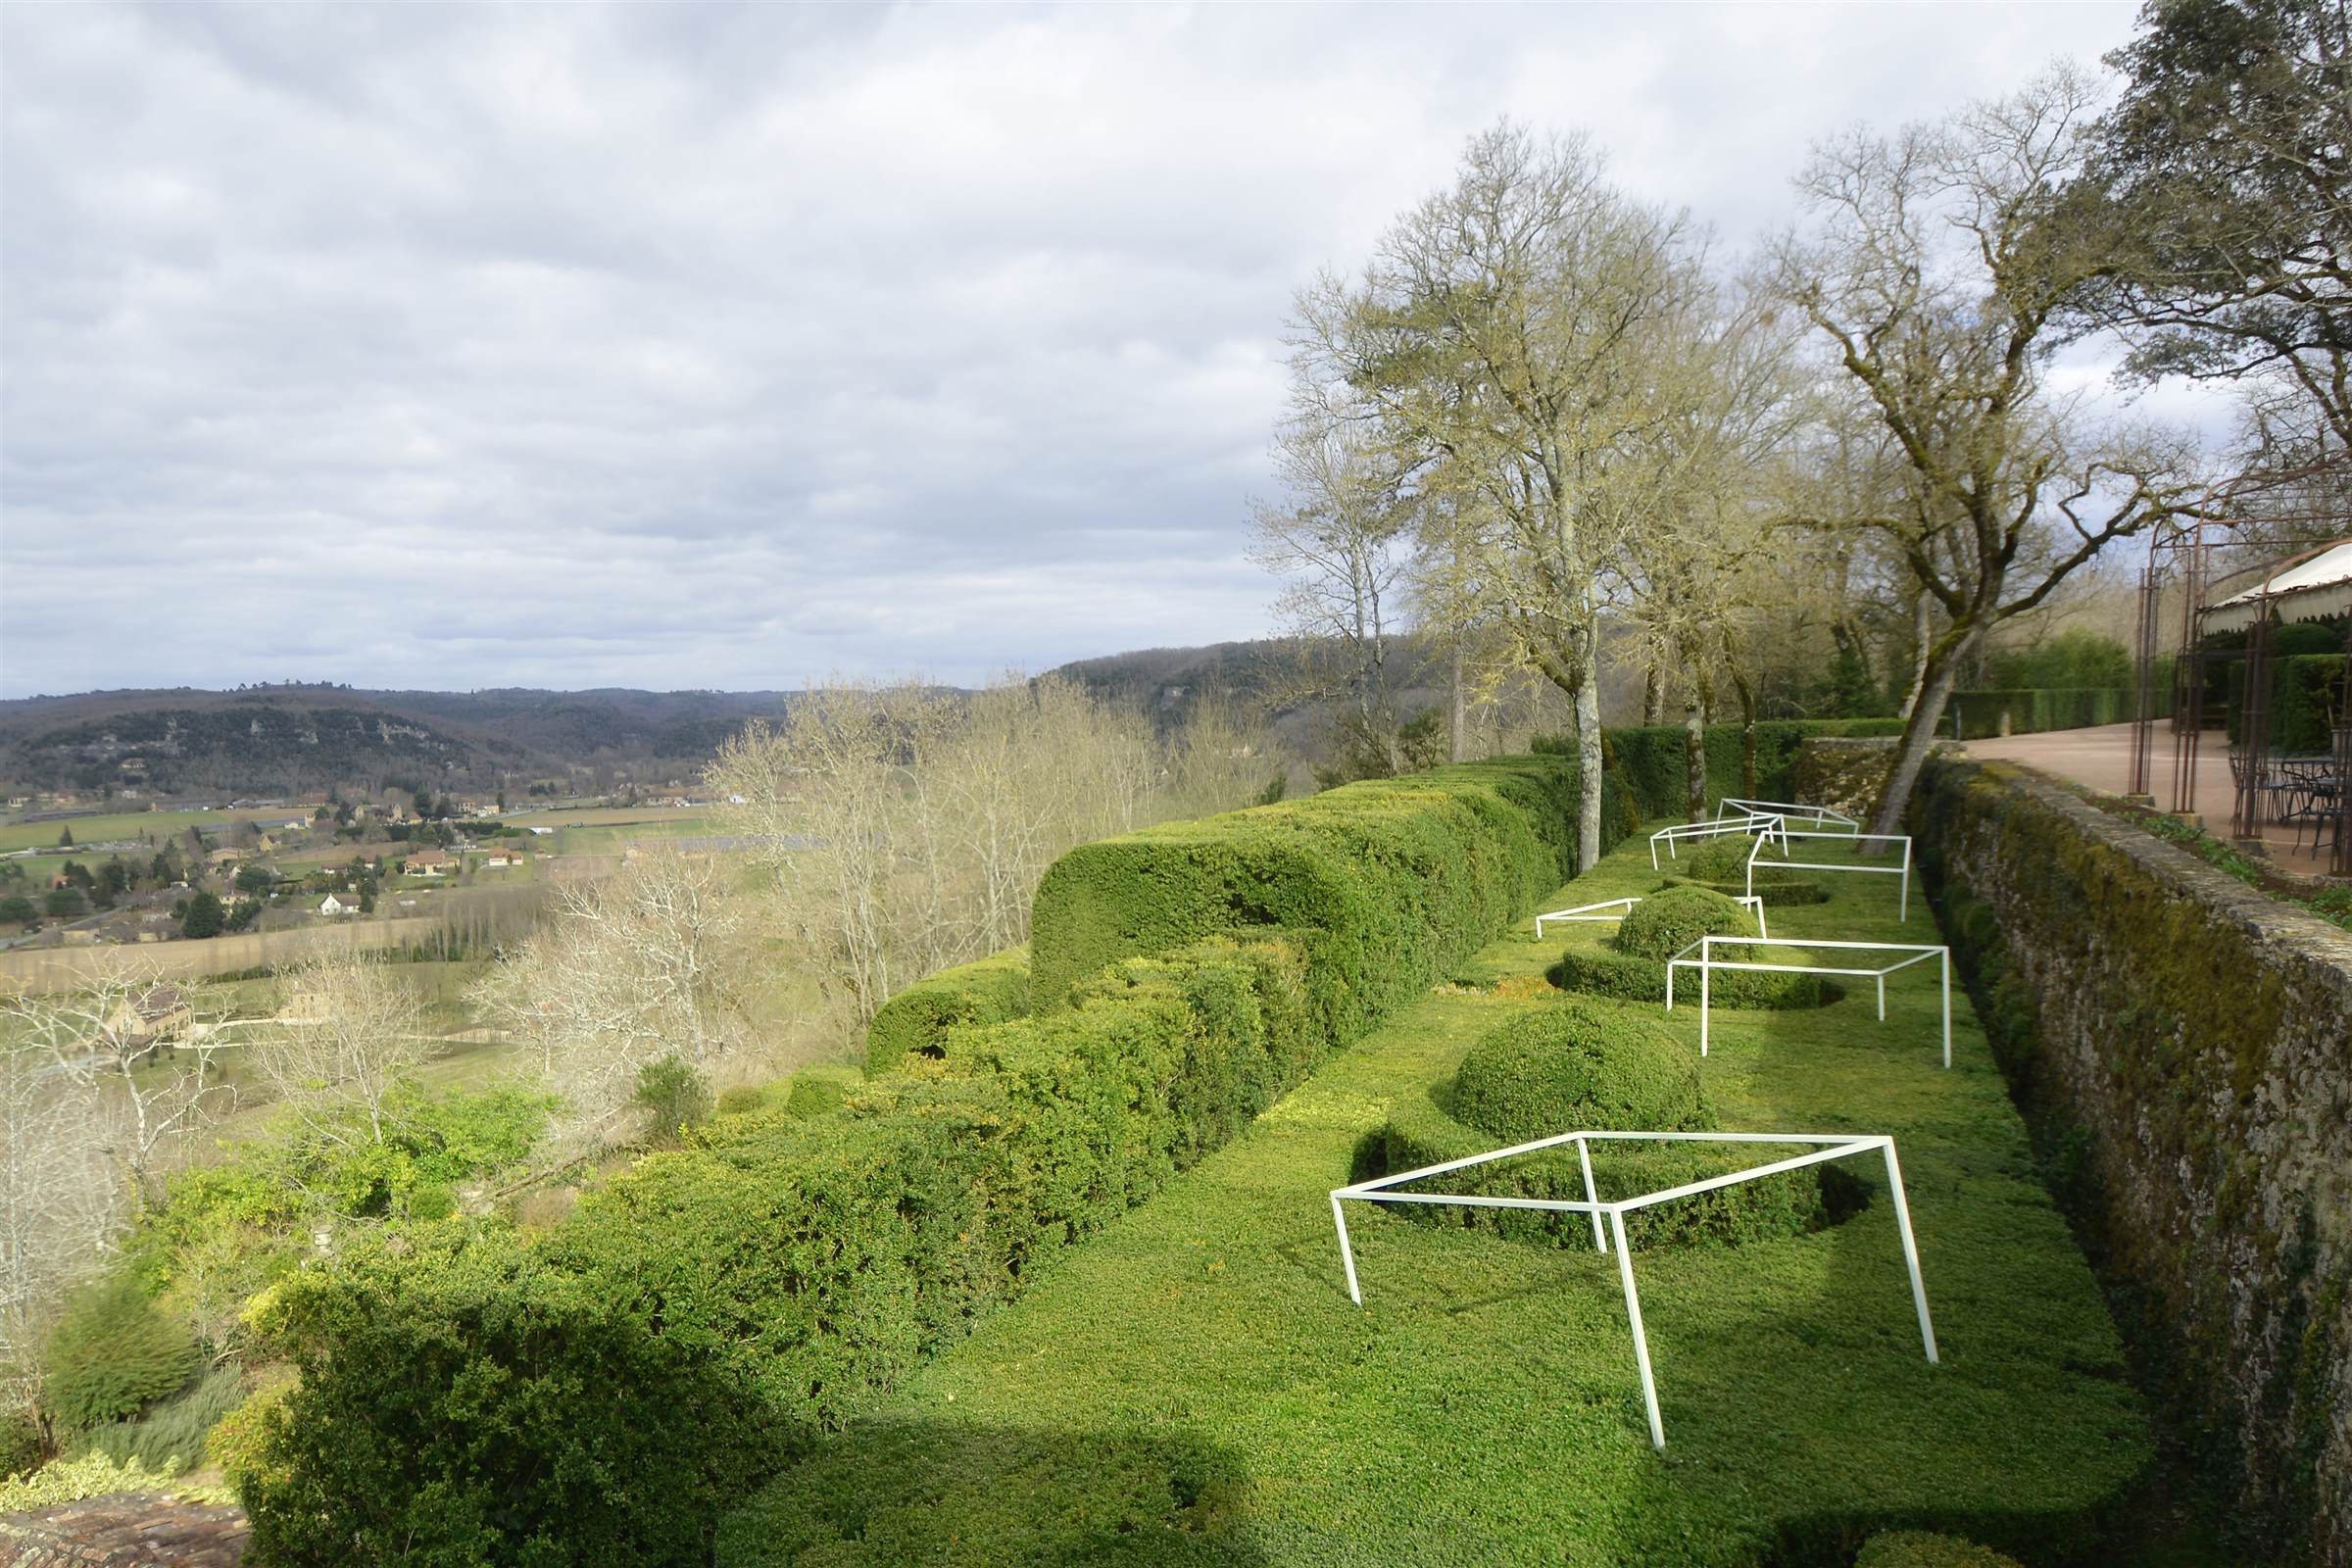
pixel 1576 1064
pixel 1664 923
pixel 1720 859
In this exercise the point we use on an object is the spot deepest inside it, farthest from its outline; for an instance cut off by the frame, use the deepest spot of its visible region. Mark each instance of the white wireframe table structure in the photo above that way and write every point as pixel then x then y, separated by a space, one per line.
pixel 1904 908
pixel 1815 815
pixel 1602 912
pixel 1707 963
pixel 1716 827
pixel 1829 1146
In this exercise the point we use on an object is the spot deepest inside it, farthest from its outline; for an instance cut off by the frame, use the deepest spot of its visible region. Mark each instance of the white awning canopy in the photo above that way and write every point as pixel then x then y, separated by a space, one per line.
pixel 2315 590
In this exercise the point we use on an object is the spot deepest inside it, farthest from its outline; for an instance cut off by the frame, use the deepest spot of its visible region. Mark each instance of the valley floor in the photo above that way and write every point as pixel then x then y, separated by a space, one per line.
pixel 1195 1386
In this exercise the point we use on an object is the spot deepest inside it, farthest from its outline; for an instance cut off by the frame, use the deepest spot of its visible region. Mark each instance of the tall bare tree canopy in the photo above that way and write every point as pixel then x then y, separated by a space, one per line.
pixel 2228 166
pixel 1936 270
pixel 1507 338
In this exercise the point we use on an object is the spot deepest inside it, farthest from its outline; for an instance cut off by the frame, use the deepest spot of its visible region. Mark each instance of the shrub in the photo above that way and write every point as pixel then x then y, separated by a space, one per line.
pixel 1720 859
pixel 1917 1549
pixel 1775 892
pixel 814 1093
pixel 593 1397
pixel 234 1445
pixel 991 990
pixel 22 1448
pixel 1384 885
pixel 111 1354
pixel 1632 968
pixel 1574 1063
pixel 1664 923
pixel 673 1094
pixel 171 1436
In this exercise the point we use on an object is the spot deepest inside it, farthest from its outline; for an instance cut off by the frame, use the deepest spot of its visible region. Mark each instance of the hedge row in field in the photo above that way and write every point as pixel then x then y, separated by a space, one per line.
pixel 594 1397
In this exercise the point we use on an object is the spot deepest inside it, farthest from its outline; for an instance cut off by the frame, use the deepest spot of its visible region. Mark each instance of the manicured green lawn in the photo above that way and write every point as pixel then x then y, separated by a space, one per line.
pixel 1195 1386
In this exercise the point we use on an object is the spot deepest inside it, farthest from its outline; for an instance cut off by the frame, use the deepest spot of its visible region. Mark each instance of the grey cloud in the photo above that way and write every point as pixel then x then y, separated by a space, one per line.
pixel 701 345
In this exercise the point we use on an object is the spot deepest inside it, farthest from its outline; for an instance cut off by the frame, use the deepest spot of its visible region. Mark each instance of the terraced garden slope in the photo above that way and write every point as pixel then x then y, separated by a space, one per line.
pixel 1194 1385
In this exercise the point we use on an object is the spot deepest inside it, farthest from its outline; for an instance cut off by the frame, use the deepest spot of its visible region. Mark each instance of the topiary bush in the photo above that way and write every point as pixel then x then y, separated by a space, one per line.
pixel 1632 967
pixel 1720 859
pixel 1918 1548
pixel 990 990
pixel 1664 923
pixel 1774 891
pixel 111 1354
pixel 1576 1064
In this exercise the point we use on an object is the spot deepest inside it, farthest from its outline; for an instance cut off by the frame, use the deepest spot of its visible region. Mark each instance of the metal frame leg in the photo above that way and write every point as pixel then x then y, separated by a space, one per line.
pixel 1633 1314
pixel 1347 1252
pixel 1902 1221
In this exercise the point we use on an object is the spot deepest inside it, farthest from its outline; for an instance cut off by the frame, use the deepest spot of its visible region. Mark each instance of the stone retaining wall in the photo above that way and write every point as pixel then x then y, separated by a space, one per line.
pixel 2185 1046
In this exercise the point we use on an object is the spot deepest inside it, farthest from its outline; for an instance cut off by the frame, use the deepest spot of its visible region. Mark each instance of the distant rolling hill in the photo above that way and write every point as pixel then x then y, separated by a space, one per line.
pixel 276 740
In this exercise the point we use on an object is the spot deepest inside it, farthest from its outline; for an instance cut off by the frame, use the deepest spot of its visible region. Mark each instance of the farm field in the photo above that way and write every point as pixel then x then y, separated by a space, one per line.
pixel 1194 1385
pixel 154 826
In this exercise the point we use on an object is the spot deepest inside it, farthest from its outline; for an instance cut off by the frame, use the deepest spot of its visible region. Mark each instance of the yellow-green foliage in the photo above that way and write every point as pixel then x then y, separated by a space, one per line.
pixel 94 1475
pixel 235 1445
pixel 990 989
pixel 111 1354
pixel 1918 1548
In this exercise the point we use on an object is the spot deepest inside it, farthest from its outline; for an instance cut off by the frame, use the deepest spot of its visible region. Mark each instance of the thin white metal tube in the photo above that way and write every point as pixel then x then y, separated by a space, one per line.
pixel 1704 988
pixel 1902 1223
pixel 1347 1252
pixel 1818 1156
pixel 1633 1317
pixel 1947 1007
pixel 1707 963
pixel 1882 997
pixel 1584 1158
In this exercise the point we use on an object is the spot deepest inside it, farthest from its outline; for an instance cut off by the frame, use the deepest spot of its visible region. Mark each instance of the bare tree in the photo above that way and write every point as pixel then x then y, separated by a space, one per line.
pixel 1940 261
pixel 645 965
pixel 139 1046
pixel 349 1036
pixel 1341 539
pixel 1505 336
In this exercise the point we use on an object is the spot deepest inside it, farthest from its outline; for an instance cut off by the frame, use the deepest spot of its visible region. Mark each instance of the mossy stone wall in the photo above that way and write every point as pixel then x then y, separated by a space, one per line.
pixel 2185 1046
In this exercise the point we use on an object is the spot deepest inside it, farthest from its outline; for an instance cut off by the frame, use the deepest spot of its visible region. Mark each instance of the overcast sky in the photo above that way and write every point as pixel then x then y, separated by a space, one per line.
pixel 690 345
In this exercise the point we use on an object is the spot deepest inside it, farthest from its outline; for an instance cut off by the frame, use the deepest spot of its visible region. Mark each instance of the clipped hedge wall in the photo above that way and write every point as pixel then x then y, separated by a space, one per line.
pixel 990 989
pixel 1980 716
pixel 1651 759
pixel 594 1397
pixel 2180 1044
pixel 1384 885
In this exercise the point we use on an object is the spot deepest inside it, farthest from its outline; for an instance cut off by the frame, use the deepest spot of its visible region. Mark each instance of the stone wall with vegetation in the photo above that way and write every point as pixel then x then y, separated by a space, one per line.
pixel 2185 1046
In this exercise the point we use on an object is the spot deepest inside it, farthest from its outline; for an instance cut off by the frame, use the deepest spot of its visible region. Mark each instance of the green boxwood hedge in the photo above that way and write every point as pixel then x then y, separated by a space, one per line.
pixel 1384 885
pixel 1774 891
pixel 591 1397
pixel 990 989
pixel 1571 1064
pixel 1632 966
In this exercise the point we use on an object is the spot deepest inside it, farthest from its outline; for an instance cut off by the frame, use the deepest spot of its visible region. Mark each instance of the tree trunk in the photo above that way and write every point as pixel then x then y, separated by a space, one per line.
pixel 1695 756
pixel 1747 731
pixel 1653 697
pixel 1588 767
pixel 1919 734
pixel 1922 623
pixel 1460 750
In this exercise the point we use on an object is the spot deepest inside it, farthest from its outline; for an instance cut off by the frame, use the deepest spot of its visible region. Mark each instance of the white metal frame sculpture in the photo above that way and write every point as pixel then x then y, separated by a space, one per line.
pixel 1594 912
pixel 1904 907
pixel 1815 815
pixel 1707 963
pixel 1843 1146
pixel 1755 823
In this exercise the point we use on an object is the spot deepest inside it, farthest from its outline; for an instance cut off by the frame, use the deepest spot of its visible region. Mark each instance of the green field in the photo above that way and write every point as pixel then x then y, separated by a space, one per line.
pixel 158 826
pixel 1195 1386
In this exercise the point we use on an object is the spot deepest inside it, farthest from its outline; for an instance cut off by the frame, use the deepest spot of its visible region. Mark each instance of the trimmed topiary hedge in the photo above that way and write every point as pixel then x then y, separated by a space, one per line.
pixel 990 989
pixel 591 1399
pixel 1571 1063
pixel 1918 1548
pixel 1776 892
pixel 1384 885
pixel 1632 967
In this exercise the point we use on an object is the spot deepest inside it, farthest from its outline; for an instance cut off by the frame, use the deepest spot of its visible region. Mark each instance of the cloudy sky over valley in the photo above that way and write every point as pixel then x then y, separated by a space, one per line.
pixel 684 346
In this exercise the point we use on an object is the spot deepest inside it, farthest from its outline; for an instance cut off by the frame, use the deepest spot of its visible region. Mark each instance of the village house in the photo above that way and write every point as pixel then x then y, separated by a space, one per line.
pixel 331 905
pixel 499 855
pixel 155 1012
pixel 430 861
